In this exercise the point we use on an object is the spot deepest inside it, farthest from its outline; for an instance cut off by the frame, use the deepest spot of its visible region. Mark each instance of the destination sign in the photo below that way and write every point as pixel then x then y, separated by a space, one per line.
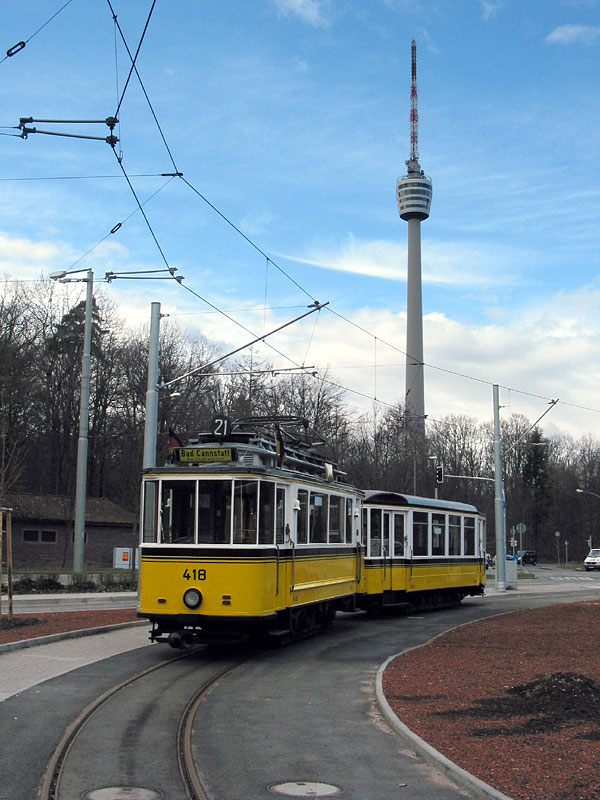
pixel 205 455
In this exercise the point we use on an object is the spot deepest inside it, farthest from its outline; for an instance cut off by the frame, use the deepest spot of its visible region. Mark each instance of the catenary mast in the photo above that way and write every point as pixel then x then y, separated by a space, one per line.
pixel 413 192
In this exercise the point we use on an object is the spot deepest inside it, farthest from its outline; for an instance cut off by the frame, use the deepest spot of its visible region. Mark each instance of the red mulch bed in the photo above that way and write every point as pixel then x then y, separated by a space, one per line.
pixel 514 700
pixel 28 626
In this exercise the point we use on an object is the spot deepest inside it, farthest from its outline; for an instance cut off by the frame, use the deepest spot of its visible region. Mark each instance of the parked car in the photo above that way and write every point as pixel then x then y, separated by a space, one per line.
pixel 509 557
pixel 527 557
pixel 592 560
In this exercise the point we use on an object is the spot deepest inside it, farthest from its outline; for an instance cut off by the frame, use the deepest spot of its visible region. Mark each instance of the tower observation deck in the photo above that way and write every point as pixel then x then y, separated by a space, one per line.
pixel 413 193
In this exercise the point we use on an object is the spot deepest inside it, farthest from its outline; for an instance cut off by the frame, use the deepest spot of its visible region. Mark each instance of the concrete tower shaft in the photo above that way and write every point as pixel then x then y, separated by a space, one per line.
pixel 413 194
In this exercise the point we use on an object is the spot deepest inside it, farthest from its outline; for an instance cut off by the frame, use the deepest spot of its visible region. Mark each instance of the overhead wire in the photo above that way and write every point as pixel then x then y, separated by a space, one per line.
pixel 87 177
pixel 139 77
pixel 133 68
pixel 118 225
pixel 134 59
pixel 16 48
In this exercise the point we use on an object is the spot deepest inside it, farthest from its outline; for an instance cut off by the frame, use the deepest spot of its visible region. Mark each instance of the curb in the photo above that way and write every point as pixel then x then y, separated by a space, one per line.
pixel 458 774
pixel 57 637
pixel 69 597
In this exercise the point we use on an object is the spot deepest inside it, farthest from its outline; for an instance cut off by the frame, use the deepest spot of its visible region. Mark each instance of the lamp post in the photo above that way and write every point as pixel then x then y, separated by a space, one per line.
pixel 84 413
pixel 586 491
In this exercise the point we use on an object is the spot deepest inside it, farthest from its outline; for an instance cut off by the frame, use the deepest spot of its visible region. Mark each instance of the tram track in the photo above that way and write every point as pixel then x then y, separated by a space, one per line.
pixel 193 789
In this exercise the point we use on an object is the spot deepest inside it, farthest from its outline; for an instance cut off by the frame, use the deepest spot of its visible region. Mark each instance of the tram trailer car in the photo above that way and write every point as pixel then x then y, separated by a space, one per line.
pixel 240 540
pixel 420 551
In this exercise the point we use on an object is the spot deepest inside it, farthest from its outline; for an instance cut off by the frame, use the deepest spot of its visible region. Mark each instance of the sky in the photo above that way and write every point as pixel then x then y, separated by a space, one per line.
pixel 288 121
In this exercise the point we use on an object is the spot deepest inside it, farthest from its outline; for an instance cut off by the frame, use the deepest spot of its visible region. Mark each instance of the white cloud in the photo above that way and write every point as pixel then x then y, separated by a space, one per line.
pixel 573 34
pixel 490 9
pixel 443 263
pixel 26 259
pixel 546 351
pixel 309 11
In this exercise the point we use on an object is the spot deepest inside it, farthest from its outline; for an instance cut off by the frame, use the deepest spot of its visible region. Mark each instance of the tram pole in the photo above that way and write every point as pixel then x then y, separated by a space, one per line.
pixel 500 519
pixel 151 421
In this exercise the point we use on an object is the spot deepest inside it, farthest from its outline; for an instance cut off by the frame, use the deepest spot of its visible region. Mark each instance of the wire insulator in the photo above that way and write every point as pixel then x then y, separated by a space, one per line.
pixel 15 49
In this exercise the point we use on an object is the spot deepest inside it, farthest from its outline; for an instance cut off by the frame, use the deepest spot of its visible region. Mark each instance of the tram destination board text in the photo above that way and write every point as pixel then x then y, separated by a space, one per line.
pixel 205 455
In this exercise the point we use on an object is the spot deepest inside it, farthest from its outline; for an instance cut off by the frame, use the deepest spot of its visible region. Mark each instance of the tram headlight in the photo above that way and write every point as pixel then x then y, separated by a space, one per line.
pixel 192 598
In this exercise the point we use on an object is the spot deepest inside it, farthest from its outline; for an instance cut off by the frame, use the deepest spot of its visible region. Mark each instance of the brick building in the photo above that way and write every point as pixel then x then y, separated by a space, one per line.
pixel 42 531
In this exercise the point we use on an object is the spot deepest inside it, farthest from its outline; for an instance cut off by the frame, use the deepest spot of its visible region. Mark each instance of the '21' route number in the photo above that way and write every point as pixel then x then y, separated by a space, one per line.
pixel 195 574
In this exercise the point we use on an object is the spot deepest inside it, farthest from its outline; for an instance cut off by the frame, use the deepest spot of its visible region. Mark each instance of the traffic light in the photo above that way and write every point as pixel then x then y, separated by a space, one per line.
pixel 439 474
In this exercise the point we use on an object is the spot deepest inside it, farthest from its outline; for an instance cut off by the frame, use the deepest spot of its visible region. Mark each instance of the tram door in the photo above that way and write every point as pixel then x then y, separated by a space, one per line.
pixel 387 549
pixel 399 548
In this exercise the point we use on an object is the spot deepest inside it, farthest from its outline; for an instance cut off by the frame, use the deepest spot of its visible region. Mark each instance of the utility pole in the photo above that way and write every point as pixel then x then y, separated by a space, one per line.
pixel 84 415
pixel 500 519
pixel 149 457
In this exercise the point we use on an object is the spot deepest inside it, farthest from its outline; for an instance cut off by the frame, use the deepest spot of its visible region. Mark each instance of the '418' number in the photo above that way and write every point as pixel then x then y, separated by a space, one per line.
pixel 195 574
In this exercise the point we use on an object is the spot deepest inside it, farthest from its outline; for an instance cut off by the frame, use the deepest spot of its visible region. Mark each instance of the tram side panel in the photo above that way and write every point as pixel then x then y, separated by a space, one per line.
pixel 326 561
pixel 419 553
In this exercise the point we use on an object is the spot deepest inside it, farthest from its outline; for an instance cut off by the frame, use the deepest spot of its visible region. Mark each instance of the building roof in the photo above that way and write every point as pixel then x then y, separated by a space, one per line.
pixel 58 508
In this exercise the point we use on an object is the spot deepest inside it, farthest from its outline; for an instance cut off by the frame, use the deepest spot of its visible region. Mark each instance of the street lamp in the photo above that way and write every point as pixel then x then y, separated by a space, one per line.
pixel 84 413
pixel 586 491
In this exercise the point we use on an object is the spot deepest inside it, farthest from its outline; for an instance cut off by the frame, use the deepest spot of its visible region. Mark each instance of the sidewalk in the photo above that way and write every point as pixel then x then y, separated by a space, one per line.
pixel 23 666
pixel 70 597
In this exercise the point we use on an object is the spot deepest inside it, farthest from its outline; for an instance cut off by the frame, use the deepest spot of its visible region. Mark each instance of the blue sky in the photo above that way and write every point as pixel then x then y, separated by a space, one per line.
pixel 292 118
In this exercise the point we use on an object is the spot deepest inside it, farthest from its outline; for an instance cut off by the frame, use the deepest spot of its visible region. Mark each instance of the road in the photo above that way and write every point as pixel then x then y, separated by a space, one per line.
pixel 304 713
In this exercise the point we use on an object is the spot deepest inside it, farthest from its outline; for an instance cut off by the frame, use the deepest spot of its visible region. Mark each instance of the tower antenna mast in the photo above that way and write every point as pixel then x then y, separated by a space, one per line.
pixel 414 110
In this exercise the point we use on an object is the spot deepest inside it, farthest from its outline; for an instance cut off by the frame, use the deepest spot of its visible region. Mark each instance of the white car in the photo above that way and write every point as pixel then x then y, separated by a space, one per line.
pixel 592 561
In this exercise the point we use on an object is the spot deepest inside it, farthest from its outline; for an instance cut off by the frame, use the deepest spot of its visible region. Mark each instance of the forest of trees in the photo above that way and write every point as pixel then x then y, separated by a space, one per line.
pixel 41 340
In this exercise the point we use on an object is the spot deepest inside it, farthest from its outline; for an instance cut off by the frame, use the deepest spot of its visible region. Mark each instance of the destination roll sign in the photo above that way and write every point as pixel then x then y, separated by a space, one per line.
pixel 205 455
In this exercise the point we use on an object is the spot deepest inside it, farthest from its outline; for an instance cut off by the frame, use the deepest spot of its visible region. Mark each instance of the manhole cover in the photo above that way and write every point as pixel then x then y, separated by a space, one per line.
pixel 305 789
pixel 123 793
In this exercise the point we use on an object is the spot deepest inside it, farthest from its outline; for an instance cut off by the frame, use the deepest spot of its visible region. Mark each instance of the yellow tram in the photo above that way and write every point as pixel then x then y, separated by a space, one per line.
pixel 239 537
pixel 245 533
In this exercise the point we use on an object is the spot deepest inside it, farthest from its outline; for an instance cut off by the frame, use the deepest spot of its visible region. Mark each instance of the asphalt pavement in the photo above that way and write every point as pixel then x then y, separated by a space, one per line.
pixel 29 666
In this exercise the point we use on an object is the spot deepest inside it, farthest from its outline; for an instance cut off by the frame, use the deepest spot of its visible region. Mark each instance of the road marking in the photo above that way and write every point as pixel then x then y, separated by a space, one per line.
pixel 569 578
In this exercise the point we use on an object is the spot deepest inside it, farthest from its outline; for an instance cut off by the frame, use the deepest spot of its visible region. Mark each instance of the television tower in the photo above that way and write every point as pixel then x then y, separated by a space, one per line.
pixel 413 192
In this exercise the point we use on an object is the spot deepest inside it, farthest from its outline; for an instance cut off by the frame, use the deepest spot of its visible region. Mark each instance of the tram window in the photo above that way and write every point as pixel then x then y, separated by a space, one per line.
pixel 318 517
pixel 245 506
pixel 386 534
pixel 280 516
pixel 302 517
pixel 453 535
pixel 178 512
pixel 364 525
pixel 481 537
pixel 469 529
pixel 398 534
pixel 438 534
pixel 375 538
pixel 420 533
pixel 336 519
pixel 150 516
pixel 214 512
pixel 349 520
pixel 266 521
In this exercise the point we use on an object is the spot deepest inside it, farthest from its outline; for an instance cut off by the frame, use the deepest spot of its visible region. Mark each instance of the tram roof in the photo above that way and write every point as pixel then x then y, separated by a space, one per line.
pixel 377 497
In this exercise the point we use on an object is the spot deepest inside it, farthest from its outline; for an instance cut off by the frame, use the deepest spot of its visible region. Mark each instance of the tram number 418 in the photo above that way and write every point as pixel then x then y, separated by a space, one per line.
pixel 195 575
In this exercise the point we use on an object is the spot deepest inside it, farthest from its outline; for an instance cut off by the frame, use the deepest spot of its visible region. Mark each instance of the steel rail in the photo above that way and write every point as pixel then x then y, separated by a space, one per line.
pixel 187 766
pixel 51 781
